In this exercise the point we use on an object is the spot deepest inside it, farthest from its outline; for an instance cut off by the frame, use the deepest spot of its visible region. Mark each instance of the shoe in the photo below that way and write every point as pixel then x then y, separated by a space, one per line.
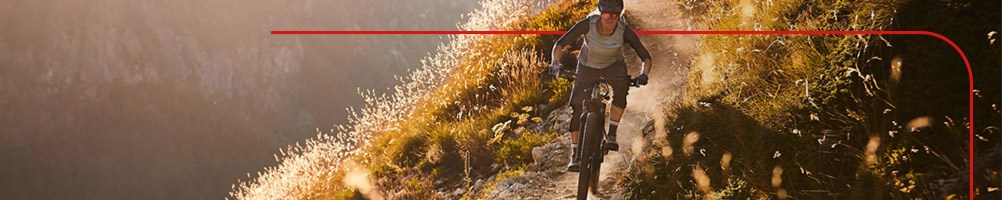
pixel 611 145
pixel 575 164
pixel 610 142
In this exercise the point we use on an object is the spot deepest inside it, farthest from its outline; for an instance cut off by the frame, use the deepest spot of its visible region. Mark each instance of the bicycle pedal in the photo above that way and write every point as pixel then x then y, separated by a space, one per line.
pixel 611 146
pixel 574 168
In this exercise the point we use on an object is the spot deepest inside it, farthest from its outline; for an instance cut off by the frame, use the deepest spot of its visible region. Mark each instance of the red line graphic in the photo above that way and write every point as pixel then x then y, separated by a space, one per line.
pixel 970 74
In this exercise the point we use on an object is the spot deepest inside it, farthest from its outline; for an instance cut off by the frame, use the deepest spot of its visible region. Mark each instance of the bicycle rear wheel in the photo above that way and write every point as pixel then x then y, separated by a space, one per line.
pixel 591 155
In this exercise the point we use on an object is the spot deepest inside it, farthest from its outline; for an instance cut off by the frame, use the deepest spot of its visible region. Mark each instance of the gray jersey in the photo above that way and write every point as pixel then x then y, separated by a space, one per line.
pixel 599 51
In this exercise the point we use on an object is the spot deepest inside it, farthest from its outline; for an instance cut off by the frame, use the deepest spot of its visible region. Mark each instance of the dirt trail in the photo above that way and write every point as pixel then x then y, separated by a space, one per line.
pixel 672 55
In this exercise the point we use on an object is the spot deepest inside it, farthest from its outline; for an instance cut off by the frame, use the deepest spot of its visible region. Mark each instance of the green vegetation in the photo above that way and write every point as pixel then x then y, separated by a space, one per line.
pixel 836 116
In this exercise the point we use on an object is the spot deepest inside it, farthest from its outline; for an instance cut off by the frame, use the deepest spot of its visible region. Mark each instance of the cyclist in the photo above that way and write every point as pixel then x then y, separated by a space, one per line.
pixel 601 58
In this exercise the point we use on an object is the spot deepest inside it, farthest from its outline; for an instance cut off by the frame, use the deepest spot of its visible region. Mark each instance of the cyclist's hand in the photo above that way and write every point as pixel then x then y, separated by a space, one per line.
pixel 554 68
pixel 642 79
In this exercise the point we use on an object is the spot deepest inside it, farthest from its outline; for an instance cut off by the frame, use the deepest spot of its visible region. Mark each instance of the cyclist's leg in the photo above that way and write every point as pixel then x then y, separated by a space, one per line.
pixel 586 77
pixel 616 113
pixel 619 80
pixel 579 92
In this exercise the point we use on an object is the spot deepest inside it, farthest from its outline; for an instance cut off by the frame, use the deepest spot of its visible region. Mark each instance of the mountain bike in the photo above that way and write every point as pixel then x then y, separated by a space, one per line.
pixel 592 134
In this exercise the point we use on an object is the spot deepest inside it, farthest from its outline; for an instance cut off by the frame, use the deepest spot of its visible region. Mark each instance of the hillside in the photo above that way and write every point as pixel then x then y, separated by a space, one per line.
pixel 831 116
pixel 122 99
pixel 729 116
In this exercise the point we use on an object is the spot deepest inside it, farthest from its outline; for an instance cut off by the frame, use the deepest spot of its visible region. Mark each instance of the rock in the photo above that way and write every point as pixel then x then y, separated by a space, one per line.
pixel 478 184
pixel 529 176
pixel 564 117
pixel 495 167
pixel 538 154
pixel 516 186
pixel 458 192
pixel 648 129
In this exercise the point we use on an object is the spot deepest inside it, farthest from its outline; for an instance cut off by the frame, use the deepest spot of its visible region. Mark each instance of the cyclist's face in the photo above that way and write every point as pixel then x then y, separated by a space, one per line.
pixel 609 18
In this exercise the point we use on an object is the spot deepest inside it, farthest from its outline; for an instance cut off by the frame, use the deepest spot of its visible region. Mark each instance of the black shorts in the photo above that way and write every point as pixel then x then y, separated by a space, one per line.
pixel 615 75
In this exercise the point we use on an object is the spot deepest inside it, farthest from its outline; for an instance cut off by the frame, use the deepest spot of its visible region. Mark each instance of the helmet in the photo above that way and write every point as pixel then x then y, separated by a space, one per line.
pixel 610 6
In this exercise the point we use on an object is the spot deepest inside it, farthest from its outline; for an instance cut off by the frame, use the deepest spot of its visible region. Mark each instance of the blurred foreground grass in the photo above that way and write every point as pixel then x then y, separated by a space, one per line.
pixel 833 116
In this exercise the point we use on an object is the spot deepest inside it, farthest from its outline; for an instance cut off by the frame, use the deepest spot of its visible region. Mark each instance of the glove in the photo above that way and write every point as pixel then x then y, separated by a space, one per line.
pixel 642 79
pixel 554 68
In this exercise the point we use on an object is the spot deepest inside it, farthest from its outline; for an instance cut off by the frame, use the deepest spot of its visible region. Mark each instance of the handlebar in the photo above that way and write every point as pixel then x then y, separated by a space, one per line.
pixel 568 74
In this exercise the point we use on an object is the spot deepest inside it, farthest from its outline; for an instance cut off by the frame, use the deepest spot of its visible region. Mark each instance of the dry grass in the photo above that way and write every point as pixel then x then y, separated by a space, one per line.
pixel 442 119
pixel 828 111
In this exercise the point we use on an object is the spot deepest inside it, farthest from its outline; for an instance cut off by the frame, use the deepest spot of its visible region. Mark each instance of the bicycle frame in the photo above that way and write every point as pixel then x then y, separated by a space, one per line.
pixel 592 129
pixel 592 138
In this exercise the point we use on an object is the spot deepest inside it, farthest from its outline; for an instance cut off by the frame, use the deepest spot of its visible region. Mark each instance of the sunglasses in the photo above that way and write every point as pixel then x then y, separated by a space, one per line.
pixel 610 15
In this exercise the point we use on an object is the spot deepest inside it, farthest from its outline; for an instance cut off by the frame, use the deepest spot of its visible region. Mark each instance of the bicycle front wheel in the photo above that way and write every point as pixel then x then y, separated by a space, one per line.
pixel 591 155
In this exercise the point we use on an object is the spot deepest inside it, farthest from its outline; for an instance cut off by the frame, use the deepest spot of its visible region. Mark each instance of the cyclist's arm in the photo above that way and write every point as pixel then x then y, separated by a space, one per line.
pixel 634 41
pixel 570 36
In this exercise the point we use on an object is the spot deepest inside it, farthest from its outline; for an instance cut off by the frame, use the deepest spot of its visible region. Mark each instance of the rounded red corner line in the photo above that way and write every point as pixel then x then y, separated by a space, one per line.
pixel 970 74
